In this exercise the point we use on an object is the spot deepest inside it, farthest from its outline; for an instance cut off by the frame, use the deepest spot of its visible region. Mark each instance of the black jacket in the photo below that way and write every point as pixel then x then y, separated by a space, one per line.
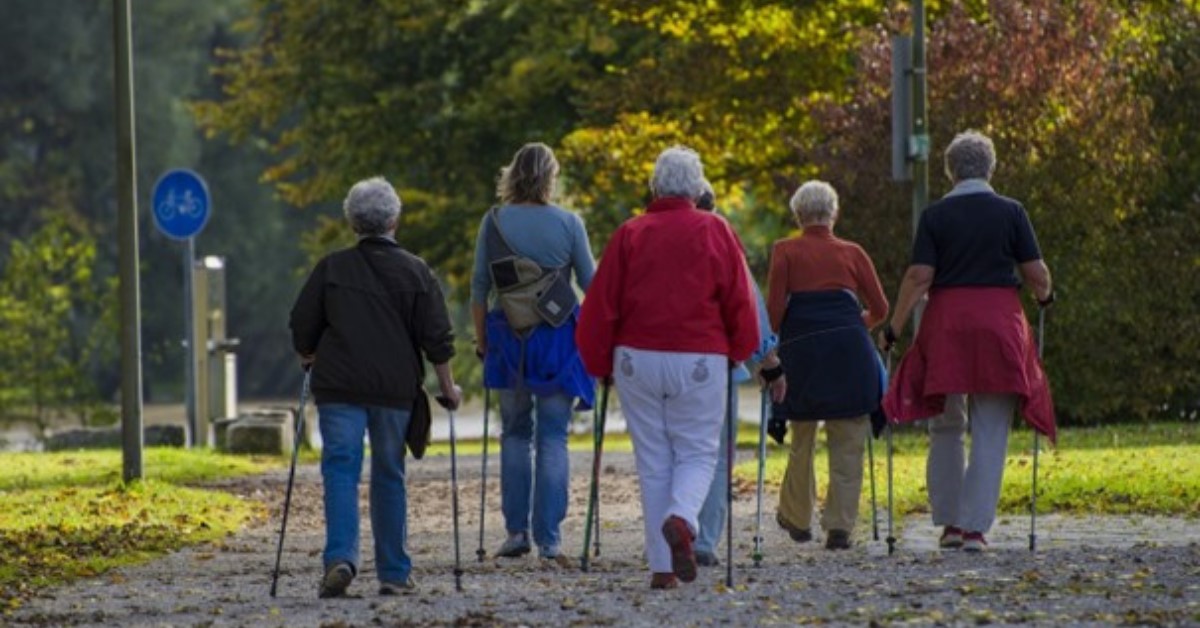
pixel 361 312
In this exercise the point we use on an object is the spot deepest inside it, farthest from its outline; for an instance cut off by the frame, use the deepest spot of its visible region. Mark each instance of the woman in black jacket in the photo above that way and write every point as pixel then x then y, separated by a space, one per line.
pixel 361 323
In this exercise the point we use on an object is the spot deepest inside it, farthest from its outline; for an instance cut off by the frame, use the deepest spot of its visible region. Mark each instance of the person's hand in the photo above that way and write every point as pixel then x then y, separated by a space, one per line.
pixel 777 389
pixel 777 428
pixel 450 398
pixel 481 350
pixel 886 338
pixel 307 360
pixel 1046 302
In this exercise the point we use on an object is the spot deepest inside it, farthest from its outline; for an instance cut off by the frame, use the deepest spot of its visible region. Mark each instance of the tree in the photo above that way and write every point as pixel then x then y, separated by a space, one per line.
pixel 1052 84
pixel 53 310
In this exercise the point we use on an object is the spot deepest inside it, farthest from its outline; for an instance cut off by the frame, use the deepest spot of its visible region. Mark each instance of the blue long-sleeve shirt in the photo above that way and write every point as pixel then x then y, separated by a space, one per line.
pixel 767 342
pixel 549 235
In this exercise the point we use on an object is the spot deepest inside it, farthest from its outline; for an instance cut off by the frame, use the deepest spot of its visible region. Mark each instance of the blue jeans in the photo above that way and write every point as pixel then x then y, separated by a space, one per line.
pixel 545 482
pixel 342 428
pixel 712 514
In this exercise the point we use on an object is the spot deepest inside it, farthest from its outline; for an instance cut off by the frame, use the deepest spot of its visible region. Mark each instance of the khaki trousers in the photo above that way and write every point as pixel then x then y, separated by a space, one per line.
pixel 798 496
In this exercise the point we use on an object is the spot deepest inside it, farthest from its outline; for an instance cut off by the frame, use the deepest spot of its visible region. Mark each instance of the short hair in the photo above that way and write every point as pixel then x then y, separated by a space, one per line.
pixel 815 202
pixel 530 177
pixel 707 199
pixel 971 155
pixel 372 207
pixel 677 172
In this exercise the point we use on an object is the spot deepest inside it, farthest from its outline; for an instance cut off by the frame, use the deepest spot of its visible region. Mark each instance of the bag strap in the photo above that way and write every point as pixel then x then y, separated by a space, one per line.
pixel 496 236
pixel 407 324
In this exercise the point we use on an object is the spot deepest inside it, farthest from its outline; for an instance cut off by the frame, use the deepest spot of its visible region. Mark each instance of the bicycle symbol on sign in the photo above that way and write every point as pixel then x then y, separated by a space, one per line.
pixel 185 204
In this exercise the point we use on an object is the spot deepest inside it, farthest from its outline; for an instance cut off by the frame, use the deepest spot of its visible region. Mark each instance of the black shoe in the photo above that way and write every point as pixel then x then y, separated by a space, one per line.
pixel 408 585
pixel 337 579
pixel 837 540
pixel 706 559
pixel 798 535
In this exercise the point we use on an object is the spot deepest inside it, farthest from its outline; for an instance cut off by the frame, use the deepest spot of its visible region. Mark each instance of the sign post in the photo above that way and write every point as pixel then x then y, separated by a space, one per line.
pixel 181 209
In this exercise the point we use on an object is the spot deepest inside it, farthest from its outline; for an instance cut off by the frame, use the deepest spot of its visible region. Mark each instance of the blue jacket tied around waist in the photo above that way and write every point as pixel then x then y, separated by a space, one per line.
pixel 832 368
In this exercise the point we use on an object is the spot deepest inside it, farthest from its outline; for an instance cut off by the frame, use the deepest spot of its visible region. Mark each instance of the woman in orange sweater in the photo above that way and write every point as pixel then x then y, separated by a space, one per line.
pixel 817 285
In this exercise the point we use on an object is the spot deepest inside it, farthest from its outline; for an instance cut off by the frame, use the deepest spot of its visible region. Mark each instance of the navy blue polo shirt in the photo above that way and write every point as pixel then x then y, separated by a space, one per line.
pixel 975 239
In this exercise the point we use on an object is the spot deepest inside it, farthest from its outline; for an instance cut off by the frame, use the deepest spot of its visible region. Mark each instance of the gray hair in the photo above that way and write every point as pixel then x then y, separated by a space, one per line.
pixel 971 155
pixel 372 207
pixel 677 172
pixel 815 202
pixel 707 199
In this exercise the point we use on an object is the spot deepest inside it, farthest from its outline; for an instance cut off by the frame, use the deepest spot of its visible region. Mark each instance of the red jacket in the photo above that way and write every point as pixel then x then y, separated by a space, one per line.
pixel 673 279
pixel 971 340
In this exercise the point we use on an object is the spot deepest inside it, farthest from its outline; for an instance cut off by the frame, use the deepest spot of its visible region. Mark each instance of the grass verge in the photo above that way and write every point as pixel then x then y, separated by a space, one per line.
pixel 1148 469
pixel 66 515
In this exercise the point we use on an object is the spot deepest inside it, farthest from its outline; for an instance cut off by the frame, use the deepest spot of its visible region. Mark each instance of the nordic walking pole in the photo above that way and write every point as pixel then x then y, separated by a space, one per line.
pixel 600 449
pixel 871 473
pixel 594 491
pixel 287 500
pixel 731 435
pixel 1041 341
pixel 762 465
pixel 458 572
pixel 891 539
pixel 487 403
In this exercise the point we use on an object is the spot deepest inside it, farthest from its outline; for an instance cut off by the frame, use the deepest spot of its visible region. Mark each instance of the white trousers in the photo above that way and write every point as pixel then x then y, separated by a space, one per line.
pixel 674 405
pixel 965 494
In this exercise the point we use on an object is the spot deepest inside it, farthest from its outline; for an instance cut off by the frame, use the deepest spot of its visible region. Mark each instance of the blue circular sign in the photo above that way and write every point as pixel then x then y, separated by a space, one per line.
pixel 180 204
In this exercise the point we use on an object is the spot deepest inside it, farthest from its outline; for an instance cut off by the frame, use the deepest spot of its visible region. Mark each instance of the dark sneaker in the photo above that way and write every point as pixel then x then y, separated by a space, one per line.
pixel 952 538
pixel 798 535
pixel 706 559
pixel 837 540
pixel 974 542
pixel 337 579
pixel 663 581
pixel 516 545
pixel 679 536
pixel 408 585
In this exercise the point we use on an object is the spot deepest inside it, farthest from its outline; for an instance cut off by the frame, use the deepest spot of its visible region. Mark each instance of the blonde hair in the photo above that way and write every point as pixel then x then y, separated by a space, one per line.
pixel 530 177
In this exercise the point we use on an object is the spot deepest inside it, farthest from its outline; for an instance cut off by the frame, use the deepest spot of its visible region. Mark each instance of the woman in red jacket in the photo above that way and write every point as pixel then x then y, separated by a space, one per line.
pixel 668 310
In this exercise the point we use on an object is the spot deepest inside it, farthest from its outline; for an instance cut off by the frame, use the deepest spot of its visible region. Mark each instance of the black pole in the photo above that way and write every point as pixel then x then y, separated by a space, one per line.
pixel 127 244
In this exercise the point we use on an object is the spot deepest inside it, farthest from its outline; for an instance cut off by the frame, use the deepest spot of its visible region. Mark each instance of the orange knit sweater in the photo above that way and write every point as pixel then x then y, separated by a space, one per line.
pixel 818 260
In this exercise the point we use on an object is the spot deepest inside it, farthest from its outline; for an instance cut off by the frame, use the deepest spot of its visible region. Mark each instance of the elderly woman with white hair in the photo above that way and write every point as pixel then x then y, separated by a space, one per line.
pixel 364 321
pixel 817 286
pixel 974 350
pixel 669 309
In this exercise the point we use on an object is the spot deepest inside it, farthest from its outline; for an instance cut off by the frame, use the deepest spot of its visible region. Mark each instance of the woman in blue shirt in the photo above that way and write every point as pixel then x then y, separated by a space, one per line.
pixel 537 371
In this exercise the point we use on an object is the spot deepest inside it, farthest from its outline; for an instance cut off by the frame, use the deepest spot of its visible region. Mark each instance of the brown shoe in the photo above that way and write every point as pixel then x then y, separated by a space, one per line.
pixel 837 540
pixel 663 581
pixel 679 536
pixel 798 535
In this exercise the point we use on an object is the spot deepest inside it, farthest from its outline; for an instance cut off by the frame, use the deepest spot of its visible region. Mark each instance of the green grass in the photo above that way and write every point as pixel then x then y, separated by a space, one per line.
pixel 66 515
pixel 1150 469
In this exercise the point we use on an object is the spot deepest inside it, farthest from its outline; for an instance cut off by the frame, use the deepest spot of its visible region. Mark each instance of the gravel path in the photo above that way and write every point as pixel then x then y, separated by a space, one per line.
pixel 1087 571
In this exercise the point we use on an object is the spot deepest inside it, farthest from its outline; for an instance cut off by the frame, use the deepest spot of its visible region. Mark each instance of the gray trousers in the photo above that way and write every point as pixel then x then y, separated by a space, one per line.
pixel 964 494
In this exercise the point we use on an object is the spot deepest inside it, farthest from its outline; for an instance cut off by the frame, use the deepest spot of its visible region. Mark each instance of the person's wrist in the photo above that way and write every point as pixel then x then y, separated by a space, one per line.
pixel 1045 302
pixel 772 373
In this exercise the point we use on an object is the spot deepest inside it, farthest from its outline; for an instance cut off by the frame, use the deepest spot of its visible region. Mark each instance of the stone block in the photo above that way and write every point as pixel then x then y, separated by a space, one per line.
pixel 265 432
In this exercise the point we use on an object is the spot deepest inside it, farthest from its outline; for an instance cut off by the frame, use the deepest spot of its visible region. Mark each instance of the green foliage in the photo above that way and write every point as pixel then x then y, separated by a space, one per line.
pixel 57 319
pixel 1149 469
